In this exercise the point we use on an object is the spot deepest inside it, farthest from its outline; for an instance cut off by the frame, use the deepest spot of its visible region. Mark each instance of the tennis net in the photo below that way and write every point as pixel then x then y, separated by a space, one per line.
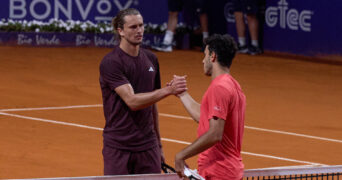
pixel 279 173
pixel 295 172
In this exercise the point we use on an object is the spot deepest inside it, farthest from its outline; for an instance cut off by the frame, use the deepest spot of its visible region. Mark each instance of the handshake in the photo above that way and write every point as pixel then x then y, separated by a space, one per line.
pixel 177 86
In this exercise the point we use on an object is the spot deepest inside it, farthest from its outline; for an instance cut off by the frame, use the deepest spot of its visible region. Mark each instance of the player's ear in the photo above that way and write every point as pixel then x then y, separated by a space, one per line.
pixel 120 31
pixel 213 56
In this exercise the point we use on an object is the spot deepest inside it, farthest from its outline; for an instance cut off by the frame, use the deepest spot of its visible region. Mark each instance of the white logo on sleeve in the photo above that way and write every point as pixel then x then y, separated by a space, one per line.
pixel 217 108
pixel 151 69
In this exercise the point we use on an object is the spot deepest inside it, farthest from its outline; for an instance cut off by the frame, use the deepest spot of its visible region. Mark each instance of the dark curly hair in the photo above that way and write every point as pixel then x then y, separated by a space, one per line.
pixel 224 47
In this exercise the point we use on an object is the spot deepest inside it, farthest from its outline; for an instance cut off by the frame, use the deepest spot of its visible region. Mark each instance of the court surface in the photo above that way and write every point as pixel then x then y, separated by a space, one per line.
pixel 51 116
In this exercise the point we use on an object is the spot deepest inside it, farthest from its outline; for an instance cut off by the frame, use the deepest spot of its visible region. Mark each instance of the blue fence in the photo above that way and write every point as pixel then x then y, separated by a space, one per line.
pixel 50 39
pixel 303 27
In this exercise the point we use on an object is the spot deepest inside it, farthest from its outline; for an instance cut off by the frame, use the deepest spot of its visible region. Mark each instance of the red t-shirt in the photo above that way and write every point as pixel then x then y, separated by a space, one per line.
pixel 223 99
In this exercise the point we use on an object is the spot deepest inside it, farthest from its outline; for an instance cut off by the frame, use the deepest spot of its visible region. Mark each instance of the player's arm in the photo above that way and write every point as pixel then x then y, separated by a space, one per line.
pixel 143 100
pixel 207 140
pixel 191 106
pixel 189 103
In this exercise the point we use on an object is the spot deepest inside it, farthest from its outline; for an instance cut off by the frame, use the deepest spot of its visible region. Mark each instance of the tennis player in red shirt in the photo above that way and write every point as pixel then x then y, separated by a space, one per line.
pixel 220 116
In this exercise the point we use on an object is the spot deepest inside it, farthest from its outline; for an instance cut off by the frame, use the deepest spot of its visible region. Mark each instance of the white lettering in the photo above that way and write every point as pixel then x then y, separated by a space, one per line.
pixel 84 13
pixel 20 8
pixel 146 42
pixel 283 7
pixel 102 42
pixel 120 7
pixel 66 11
pixel 82 40
pixel 44 9
pixel 292 18
pixel 47 11
pixel 40 40
pixel 156 40
pixel 305 15
pixel 105 2
pixel 229 12
pixel 271 16
pixel 22 39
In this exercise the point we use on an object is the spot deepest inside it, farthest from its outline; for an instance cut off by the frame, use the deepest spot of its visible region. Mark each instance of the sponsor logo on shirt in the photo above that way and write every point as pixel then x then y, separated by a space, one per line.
pixel 151 69
pixel 216 108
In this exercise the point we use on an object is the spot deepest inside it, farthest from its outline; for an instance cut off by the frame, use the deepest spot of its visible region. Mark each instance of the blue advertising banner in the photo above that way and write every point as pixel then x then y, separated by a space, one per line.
pixel 71 39
pixel 300 27
pixel 303 27
pixel 153 11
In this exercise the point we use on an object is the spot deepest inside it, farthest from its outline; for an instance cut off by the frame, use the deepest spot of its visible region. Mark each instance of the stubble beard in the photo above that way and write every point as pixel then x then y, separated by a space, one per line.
pixel 208 68
pixel 134 43
pixel 208 73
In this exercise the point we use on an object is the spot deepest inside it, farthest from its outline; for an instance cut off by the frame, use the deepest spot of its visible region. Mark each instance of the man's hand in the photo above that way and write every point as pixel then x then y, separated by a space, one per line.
pixel 178 82
pixel 179 165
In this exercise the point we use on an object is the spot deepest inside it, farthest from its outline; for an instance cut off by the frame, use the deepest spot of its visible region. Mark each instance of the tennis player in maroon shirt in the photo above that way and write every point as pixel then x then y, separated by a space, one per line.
pixel 130 85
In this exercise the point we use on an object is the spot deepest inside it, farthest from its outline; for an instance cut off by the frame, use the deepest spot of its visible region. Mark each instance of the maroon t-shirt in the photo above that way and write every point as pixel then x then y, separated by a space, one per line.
pixel 126 129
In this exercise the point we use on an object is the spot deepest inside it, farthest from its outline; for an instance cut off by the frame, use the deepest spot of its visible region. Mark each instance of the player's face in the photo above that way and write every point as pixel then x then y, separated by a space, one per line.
pixel 133 30
pixel 207 65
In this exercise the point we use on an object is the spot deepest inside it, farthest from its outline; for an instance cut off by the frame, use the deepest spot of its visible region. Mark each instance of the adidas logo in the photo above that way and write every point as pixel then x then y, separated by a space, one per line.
pixel 151 69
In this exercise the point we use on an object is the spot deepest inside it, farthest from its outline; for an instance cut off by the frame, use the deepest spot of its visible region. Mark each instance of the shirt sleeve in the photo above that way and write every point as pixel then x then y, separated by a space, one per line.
pixel 219 101
pixel 112 73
